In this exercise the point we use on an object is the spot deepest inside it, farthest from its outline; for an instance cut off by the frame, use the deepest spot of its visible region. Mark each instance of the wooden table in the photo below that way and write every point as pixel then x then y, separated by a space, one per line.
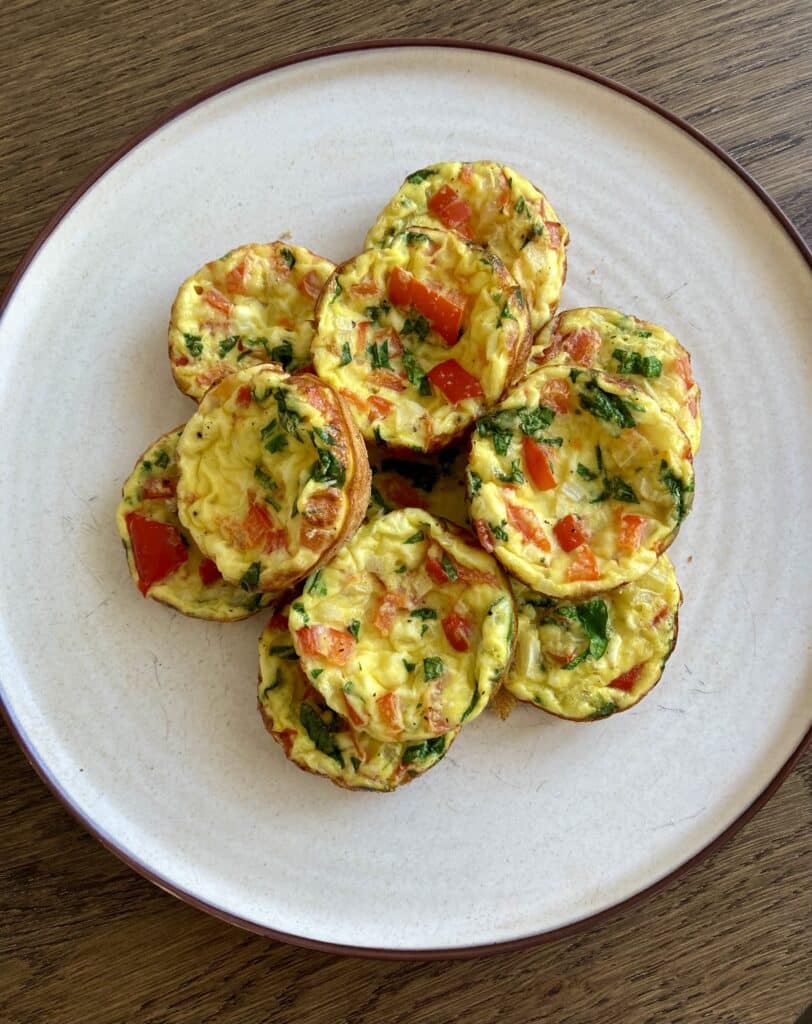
pixel 82 938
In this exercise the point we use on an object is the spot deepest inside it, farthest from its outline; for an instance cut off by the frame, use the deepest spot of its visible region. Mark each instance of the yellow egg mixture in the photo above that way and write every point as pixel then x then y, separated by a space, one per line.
pixel 254 305
pixel 317 739
pixel 409 630
pixel 578 481
pixel 587 660
pixel 616 343
pixel 507 213
pixel 268 475
pixel 384 357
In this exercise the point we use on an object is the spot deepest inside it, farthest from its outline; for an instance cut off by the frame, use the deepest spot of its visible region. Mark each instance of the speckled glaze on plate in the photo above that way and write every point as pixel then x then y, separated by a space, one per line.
pixel 144 723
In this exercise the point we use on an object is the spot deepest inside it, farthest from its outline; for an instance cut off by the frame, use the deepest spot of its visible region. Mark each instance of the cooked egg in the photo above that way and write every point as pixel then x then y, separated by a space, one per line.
pixel 409 630
pixel 273 476
pixel 164 561
pixel 495 206
pixel 578 481
pixel 320 741
pixel 436 483
pixel 587 660
pixel 421 337
pixel 254 305
pixel 627 347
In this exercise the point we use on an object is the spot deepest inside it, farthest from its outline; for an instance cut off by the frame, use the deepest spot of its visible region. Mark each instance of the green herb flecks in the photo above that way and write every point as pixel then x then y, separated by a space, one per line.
pixel 504 314
pixel 449 568
pixel 593 617
pixel 604 709
pixel 415 538
pixel 423 613
pixel 432 668
pixel 416 374
pixel 299 608
pixel 375 313
pixel 413 237
pixel 281 353
pixel 288 257
pixel 227 344
pixel 284 651
pixel 422 751
pixel 474 482
pixel 606 406
pixel 499 531
pixel 515 476
pixel 194 343
pixel 250 578
pixel 317 584
pixel 354 628
pixel 410 666
pixel 328 468
pixel 346 355
pixel 419 176
pixel 634 363
pixel 679 491
pixel 536 230
pixel 320 733
pixel 161 458
pixel 585 472
pixel 417 326
pixel 378 353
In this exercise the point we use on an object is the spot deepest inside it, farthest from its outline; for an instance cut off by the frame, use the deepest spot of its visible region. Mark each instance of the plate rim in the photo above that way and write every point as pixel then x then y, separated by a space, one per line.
pixel 119 850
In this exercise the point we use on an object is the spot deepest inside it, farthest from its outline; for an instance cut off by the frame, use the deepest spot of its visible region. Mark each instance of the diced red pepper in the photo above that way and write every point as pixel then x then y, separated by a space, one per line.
pixel 526 522
pixel 158 549
pixel 570 533
pixel 209 573
pixel 278 621
pixel 367 287
pixel 628 679
pixel 443 313
pixel 389 707
pixel 355 400
pixel 311 284
pixel 449 207
pixel 401 493
pixel 333 645
pixel 217 300
pixel 457 630
pixel 484 534
pixel 556 395
pixel 631 530
pixel 159 487
pixel 582 346
pixel 661 614
pixel 352 714
pixel 553 233
pixel 389 605
pixel 537 464
pixel 454 382
pixel 235 278
pixel 387 379
pixel 244 396
pixel 584 565
pixel 380 407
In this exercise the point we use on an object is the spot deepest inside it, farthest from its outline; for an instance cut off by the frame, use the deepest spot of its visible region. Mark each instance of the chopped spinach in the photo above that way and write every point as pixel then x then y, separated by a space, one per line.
pixel 297 606
pixel 416 374
pixel 603 710
pixel 515 476
pixel 423 613
pixel 288 257
pixel 449 568
pixel 320 733
pixel 422 751
pixel 634 363
pixel 474 482
pixel 677 489
pixel 346 355
pixel 376 312
pixel 504 314
pixel 250 578
pixel 227 344
pixel 535 230
pixel 584 472
pixel 378 353
pixel 283 651
pixel 606 406
pixel 328 468
pixel 379 500
pixel 410 666
pixel 317 584
pixel 281 353
pixel 415 236
pixel 418 176
pixel 417 326
pixel 432 668
pixel 498 530
pixel 194 343
pixel 415 538
pixel 161 458
pixel 354 628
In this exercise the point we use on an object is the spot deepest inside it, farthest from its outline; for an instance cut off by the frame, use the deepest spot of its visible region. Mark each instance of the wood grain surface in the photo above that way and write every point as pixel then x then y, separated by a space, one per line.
pixel 82 938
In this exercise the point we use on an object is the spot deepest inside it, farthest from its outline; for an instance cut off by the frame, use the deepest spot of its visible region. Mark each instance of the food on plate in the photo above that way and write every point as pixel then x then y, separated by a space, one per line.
pixel 578 481
pixel 274 476
pixel 320 741
pixel 435 483
pixel 587 659
pixel 254 305
pixel 495 206
pixel 164 561
pixel 625 346
pixel 409 630
pixel 421 337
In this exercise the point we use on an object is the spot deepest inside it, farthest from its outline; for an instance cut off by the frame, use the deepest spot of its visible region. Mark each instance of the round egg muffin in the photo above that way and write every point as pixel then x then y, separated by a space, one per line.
pixel 409 630
pixel 436 483
pixel 586 660
pixel 254 305
pixel 495 206
pixel 164 561
pixel 421 337
pixel 274 476
pixel 578 481
pixel 628 347
pixel 320 741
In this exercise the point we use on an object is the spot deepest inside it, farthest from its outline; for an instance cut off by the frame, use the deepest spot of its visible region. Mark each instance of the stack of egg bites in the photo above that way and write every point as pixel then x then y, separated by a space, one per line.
pixel 444 493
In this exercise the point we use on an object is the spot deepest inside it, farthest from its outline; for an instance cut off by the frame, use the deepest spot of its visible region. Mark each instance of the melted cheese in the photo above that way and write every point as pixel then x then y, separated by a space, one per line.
pixel 400 678
pixel 156 473
pixel 625 346
pixel 254 305
pixel 317 739
pixel 376 354
pixel 265 463
pixel 639 625
pixel 508 214
pixel 636 462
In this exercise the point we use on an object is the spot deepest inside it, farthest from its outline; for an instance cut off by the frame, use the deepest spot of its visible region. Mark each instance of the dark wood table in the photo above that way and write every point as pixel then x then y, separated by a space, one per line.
pixel 82 938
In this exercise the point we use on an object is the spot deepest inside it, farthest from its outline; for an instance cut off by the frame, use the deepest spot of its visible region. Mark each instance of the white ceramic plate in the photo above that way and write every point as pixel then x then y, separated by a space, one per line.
pixel 145 722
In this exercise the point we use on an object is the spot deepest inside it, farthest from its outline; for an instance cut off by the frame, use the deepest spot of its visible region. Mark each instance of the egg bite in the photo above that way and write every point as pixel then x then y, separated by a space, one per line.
pixel 320 741
pixel 435 483
pixel 625 346
pixel 578 481
pixel 164 561
pixel 495 206
pixel 421 337
pixel 589 659
pixel 409 630
pixel 274 476
pixel 254 305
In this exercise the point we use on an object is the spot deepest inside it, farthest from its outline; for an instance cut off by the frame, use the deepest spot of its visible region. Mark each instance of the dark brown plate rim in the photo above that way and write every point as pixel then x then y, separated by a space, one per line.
pixel 108 841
